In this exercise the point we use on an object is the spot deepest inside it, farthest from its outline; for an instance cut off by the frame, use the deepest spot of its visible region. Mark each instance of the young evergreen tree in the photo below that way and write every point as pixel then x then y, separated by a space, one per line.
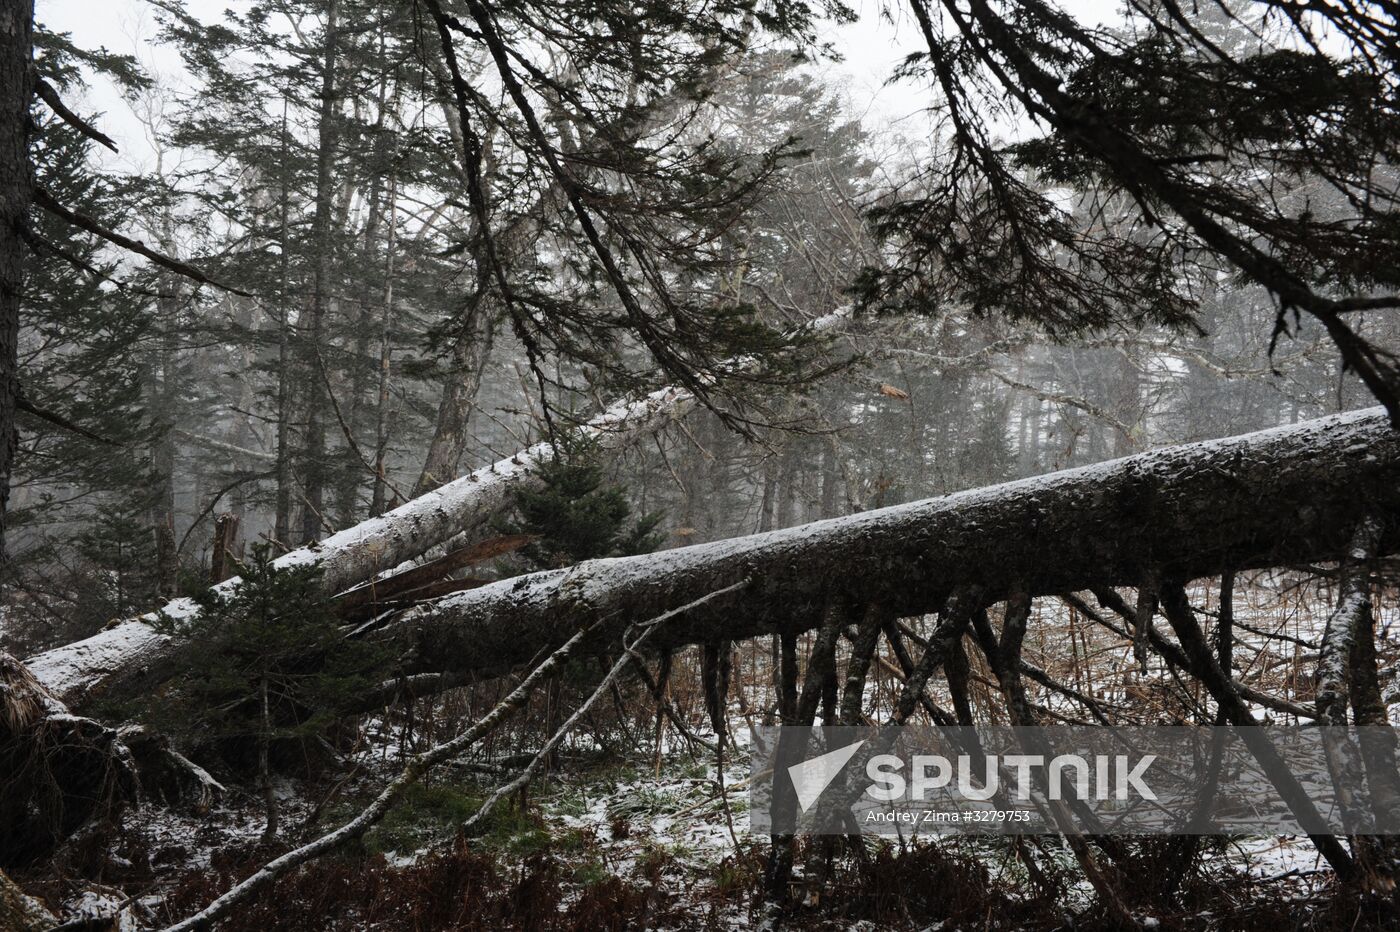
pixel 577 516
pixel 274 664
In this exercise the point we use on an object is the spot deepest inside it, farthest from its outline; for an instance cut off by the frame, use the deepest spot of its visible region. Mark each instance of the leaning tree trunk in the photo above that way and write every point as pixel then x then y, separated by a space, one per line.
pixel 16 190
pixel 127 657
pixel 470 352
pixel 121 658
pixel 1277 497
pixel 130 653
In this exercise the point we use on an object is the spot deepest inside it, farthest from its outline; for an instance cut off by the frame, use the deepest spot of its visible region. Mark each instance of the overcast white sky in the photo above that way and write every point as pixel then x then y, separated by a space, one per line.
pixel 871 48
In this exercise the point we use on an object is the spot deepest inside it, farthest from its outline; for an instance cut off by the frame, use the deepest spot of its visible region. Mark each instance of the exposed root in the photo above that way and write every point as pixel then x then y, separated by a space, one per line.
pixel 59 773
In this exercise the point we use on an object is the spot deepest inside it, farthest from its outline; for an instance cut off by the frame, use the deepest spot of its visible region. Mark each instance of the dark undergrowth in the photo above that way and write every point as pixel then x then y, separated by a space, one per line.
pixel 465 886
pixel 459 887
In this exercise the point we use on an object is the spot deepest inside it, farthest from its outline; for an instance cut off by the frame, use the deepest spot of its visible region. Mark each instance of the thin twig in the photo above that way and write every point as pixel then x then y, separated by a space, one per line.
pixel 358 826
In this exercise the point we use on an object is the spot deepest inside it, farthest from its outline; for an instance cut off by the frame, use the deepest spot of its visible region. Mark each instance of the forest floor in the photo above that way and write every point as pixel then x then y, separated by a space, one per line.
pixel 626 839
pixel 607 846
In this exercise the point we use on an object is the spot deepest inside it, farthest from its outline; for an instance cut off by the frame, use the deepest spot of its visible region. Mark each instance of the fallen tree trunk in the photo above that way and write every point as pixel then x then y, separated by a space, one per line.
pixel 1278 497
pixel 119 659
pixel 126 657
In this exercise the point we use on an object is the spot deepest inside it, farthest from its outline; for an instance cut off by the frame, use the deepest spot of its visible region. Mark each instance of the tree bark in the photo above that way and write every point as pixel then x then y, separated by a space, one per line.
pixel 222 553
pixel 379 496
pixel 16 191
pixel 1351 616
pixel 470 352
pixel 316 398
pixel 161 393
pixel 1277 497
pixel 282 520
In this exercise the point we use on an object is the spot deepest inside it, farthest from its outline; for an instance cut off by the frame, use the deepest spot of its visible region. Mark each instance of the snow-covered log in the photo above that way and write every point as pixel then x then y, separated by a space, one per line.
pixel 119 658
pixel 122 658
pixel 1277 497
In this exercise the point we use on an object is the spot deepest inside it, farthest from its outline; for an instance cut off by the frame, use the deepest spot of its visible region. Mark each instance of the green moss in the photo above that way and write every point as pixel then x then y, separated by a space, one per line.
pixel 589 872
pixel 569 804
pixel 515 831
pixel 425 813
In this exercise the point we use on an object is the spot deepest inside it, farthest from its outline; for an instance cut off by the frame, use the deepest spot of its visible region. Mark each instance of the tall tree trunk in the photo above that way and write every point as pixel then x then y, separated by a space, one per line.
pixel 831 480
pixel 1128 405
pixel 316 399
pixel 472 346
pixel 282 519
pixel 470 352
pixel 770 487
pixel 350 470
pixel 382 193
pixel 161 393
pixel 386 349
pixel 785 491
pixel 240 431
pixel 16 191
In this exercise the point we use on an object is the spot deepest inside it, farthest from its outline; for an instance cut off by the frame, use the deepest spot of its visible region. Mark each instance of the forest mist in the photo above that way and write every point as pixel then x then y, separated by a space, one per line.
pixel 459 424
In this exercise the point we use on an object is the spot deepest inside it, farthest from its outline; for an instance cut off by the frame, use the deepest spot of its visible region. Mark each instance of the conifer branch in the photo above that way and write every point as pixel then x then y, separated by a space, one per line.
pixel 83 222
pixel 58 420
pixel 45 92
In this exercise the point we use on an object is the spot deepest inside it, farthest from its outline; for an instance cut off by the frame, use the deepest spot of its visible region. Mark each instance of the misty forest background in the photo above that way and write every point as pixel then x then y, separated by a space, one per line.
pixel 382 245
pixel 373 365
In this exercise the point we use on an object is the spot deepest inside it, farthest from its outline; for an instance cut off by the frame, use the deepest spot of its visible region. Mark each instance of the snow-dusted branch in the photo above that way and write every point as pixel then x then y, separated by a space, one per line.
pixel 367 819
pixel 123 658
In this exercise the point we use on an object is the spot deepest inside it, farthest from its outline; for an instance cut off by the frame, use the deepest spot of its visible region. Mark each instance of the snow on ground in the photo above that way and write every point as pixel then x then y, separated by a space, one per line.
pixel 606 819
pixel 616 817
